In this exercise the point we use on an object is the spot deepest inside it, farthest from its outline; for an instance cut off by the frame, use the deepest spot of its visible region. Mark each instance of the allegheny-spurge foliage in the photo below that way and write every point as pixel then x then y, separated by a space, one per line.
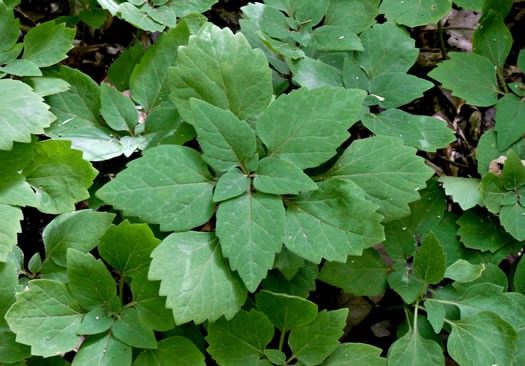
pixel 260 163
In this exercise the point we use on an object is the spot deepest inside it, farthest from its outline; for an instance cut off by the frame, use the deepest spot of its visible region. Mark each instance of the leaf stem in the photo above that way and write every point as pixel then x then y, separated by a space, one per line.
pixel 281 340
pixel 502 80
pixel 442 39
pixel 121 289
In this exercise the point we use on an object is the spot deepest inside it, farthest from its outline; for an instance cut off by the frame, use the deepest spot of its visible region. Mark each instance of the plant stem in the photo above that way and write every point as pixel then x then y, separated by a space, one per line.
pixel 281 340
pixel 121 289
pixel 502 80
pixel 442 40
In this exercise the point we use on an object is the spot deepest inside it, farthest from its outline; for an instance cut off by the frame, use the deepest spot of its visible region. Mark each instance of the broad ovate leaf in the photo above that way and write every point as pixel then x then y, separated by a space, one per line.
pixel 306 126
pixel 513 220
pixel 394 89
pixel 331 223
pixel 414 350
pixel 103 350
pixel 222 69
pixel 129 329
pixel 429 262
pixel 22 113
pixel 118 110
pixel 48 43
pixel 240 341
pixel 509 110
pixel 49 307
pixel 492 38
pixel 389 172
pixel 278 176
pixel 190 267
pixel 170 185
pixel 415 12
pixel 59 176
pixel 177 350
pixel 355 354
pixel 250 228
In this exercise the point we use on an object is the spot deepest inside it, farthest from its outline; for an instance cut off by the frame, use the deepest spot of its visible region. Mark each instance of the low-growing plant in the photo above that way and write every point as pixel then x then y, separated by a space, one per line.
pixel 270 159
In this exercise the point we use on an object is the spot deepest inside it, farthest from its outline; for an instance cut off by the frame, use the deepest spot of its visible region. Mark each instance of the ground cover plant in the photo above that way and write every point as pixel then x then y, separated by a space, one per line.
pixel 328 182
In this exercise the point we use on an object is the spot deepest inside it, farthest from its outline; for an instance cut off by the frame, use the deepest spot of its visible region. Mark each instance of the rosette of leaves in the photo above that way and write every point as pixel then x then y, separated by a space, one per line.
pixel 154 15
pixel 252 173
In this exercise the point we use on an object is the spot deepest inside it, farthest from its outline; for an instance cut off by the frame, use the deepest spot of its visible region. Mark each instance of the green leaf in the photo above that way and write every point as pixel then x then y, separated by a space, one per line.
pixel 149 80
pixel 492 192
pixel 135 16
pixel 80 230
pixel 429 262
pixel 240 341
pixel 363 275
pixel 464 191
pixel 49 307
pixel 492 274
pixel 150 306
pixel 288 263
pixel 281 177
pixel 183 8
pixel 414 350
pixel 436 314
pixel 415 12
pixel 470 76
pixel 10 218
pixel 250 228
pixel 275 356
pixel 127 247
pixel 483 338
pixel 335 38
pixel 355 354
pixel 130 330
pixel 103 350
pixel 332 222
pixel 164 126
pixel 178 351
pixel 232 184
pixel 48 43
pixel 98 288
pixel 284 311
pixel 521 60
pixel 394 89
pixel 96 321
pixel 59 176
pixel 355 15
pixel 119 72
pixel 513 175
pixel 118 110
pixel 94 17
pixel 513 220
pixel 312 343
pixel 518 281
pixel 22 68
pixel 221 68
pixel 425 133
pixel 312 74
pixel 483 232
pixel 388 48
pixel 310 11
pixel 378 164
pixel 46 85
pixel 22 112
pixel 296 128
pixel 464 271
pixel 190 267
pixel 300 285
pixel 8 282
pixel 492 38
pixel 9 27
pixel 509 111
pixel 10 351
pixel 475 5
pixel 170 185
pixel 487 150
pixel 405 284
pixel 225 140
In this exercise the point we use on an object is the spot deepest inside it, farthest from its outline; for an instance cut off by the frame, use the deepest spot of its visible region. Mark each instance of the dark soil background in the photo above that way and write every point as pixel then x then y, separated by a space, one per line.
pixel 376 319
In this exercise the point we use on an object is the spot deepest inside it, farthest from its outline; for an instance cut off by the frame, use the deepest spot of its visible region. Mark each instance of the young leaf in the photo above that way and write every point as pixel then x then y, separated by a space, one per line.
pixel 281 177
pixel 129 329
pixel 80 230
pixel 513 220
pixel 48 43
pixel 363 275
pixel 284 311
pixel 178 351
pixel 405 284
pixel 225 140
pixel 170 185
pixel 355 15
pixel 332 222
pixel 414 350
pixel 394 89
pixel 509 111
pixel 127 247
pixel 250 228
pixel 91 291
pixel 388 48
pixel 23 113
pixel 190 266
pixel 463 271
pixel 118 110
pixel 435 314
pixel 492 38
pixel 240 341
pixel 232 184
pixel 355 354
pixel 10 218
pixel 296 128
pixel 49 307
pixel 59 176
pixel 470 76
pixel 377 164
pixel 483 338
pixel 464 191
pixel 149 80
pixel 103 350
pixel 429 262
pixel 222 69
pixel 151 308
pixel 96 321
pixel 425 133
pixel 312 343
